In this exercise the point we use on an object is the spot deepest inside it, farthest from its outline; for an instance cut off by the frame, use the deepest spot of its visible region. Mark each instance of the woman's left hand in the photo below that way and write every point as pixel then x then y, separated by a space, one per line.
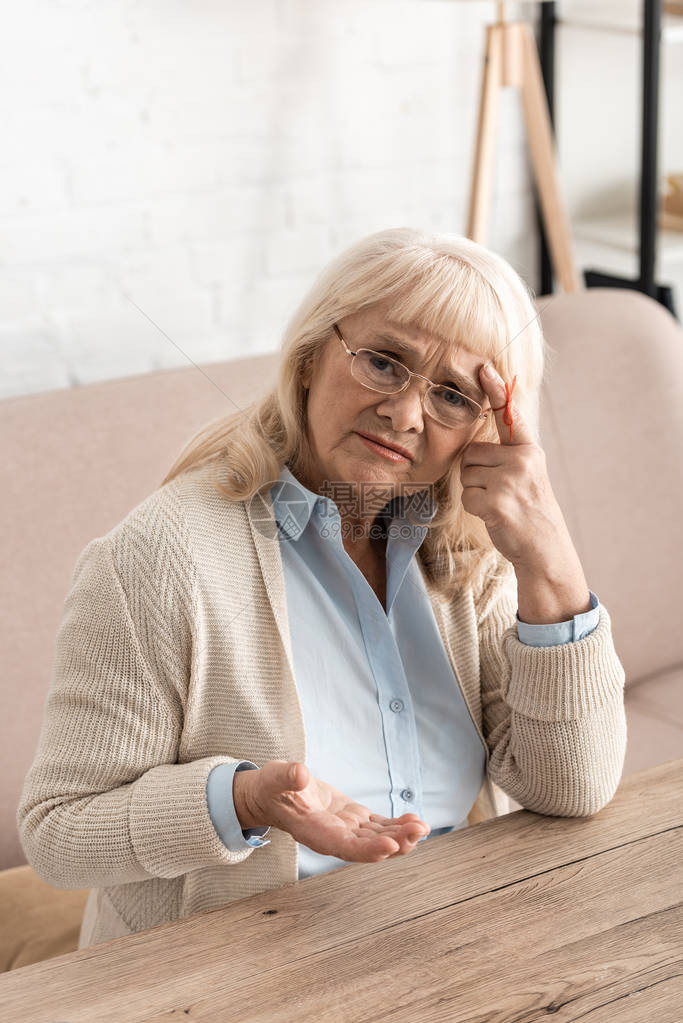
pixel 507 486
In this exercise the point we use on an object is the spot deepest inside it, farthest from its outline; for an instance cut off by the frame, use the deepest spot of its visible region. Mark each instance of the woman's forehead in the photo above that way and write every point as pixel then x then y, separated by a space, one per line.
pixel 416 337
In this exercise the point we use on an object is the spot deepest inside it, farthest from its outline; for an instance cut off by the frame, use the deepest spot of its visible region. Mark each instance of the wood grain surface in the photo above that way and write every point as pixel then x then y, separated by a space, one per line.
pixel 516 919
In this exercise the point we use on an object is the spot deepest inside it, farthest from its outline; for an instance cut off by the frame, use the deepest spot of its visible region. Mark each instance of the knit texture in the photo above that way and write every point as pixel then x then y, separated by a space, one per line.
pixel 173 655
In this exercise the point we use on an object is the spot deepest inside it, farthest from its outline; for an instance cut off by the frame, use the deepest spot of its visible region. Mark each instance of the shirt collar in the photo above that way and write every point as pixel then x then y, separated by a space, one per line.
pixel 294 503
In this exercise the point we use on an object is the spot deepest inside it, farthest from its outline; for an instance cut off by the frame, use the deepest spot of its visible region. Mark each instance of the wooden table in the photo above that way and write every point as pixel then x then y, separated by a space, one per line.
pixel 517 918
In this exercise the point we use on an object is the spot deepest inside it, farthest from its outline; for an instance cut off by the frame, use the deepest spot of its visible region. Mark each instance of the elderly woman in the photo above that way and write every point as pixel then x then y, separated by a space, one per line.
pixel 350 618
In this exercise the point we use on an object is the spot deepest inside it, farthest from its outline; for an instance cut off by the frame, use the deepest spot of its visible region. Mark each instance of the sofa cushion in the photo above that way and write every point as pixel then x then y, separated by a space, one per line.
pixel 654 720
pixel 37 921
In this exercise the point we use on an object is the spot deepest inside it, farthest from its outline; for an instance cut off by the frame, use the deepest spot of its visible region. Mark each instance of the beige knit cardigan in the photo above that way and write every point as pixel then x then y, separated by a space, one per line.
pixel 173 655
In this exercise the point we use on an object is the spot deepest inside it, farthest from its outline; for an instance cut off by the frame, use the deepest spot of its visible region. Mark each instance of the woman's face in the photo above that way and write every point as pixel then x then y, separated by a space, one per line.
pixel 339 407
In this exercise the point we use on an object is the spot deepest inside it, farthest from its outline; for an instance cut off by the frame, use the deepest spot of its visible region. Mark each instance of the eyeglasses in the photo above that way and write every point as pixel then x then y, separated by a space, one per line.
pixel 379 372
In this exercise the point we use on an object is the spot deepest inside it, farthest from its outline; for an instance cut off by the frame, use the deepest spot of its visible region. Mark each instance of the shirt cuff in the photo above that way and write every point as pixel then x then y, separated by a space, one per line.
pixel 221 805
pixel 554 634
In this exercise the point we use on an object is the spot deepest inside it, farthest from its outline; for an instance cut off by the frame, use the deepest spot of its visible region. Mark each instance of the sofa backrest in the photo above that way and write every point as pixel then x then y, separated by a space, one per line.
pixel 612 430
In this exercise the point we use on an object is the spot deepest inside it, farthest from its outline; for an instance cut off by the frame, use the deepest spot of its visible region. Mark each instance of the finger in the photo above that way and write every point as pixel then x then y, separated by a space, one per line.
pixel 284 775
pixel 407 828
pixel 406 845
pixel 395 820
pixel 478 475
pixel 512 428
pixel 368 847
pixel 373 826
pixel 481 452
pixel 414 832
pixel 408 832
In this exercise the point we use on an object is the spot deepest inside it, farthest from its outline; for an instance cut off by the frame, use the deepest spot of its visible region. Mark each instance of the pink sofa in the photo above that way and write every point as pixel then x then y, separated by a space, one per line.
pixel 76 461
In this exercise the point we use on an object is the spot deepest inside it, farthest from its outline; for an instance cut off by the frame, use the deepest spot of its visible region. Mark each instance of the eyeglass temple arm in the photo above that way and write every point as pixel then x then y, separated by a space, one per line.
pixel 339 335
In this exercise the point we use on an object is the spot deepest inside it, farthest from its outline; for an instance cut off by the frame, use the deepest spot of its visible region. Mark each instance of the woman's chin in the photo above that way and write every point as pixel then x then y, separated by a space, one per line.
pixel 379 472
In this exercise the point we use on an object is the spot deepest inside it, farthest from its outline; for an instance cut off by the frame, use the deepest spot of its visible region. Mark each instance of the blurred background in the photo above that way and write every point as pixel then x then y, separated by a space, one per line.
pixel 189 167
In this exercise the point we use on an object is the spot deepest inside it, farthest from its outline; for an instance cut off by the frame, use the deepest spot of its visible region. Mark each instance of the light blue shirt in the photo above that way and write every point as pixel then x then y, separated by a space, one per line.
pixel 385 719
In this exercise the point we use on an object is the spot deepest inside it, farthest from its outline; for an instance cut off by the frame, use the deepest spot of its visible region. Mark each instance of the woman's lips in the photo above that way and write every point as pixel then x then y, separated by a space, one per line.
pixel 380 449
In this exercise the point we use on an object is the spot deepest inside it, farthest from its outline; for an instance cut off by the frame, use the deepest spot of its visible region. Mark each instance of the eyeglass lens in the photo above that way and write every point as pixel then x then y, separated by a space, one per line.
pixel 382 374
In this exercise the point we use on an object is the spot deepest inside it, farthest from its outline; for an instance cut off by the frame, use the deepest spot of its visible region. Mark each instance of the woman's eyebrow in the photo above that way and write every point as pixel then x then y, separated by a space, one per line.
pixel 456 375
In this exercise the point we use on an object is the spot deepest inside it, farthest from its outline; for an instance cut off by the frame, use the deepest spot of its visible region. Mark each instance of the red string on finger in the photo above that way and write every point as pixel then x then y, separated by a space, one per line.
pixel 507 415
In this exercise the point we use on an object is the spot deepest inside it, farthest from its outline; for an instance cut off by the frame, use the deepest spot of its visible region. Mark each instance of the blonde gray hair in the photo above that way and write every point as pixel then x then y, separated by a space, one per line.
pixel 440 283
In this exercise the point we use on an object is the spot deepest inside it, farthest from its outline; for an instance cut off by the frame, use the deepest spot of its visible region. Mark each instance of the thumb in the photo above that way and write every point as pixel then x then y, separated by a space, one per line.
pixel 296 775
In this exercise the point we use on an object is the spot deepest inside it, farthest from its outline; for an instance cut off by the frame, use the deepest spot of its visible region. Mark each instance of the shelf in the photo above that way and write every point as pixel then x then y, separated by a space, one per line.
pixel 618 16
pixel 620 231
pixel 672 27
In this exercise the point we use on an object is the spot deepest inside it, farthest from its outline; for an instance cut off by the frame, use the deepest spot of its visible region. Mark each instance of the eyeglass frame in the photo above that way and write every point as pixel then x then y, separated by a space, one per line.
pixel 483 414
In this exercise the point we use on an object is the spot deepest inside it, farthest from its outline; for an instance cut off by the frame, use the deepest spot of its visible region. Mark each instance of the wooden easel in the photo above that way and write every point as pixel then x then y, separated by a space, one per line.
pixel 511 58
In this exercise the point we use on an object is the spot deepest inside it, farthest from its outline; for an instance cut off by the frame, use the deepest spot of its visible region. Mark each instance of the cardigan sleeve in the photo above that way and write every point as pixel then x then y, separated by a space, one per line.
pixel 553 716
pixel 105 801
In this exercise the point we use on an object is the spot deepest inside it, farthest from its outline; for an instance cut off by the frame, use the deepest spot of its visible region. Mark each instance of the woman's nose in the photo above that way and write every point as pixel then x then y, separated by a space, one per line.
pixel 405 408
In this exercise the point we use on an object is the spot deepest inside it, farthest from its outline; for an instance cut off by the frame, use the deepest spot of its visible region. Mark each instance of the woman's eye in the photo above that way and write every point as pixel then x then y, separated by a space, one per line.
pixel 453 397
pixel 377 358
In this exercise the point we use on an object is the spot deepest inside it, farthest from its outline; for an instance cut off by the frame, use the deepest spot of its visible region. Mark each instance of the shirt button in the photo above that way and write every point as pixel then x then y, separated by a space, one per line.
pixel 396 705
pixel 408 795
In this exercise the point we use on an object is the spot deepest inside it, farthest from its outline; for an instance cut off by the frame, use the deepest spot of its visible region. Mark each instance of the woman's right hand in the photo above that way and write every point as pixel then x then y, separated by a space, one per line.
pixel 320 816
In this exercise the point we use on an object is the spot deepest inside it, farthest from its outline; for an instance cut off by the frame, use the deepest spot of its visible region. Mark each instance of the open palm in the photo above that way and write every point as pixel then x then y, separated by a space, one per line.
pixel 328 822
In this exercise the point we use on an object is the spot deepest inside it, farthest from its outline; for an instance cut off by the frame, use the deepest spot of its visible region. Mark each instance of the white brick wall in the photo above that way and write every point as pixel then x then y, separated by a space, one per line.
pixel 205 161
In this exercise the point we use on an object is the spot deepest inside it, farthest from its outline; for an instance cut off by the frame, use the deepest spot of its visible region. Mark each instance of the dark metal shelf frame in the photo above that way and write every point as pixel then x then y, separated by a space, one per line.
pixel 645 282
